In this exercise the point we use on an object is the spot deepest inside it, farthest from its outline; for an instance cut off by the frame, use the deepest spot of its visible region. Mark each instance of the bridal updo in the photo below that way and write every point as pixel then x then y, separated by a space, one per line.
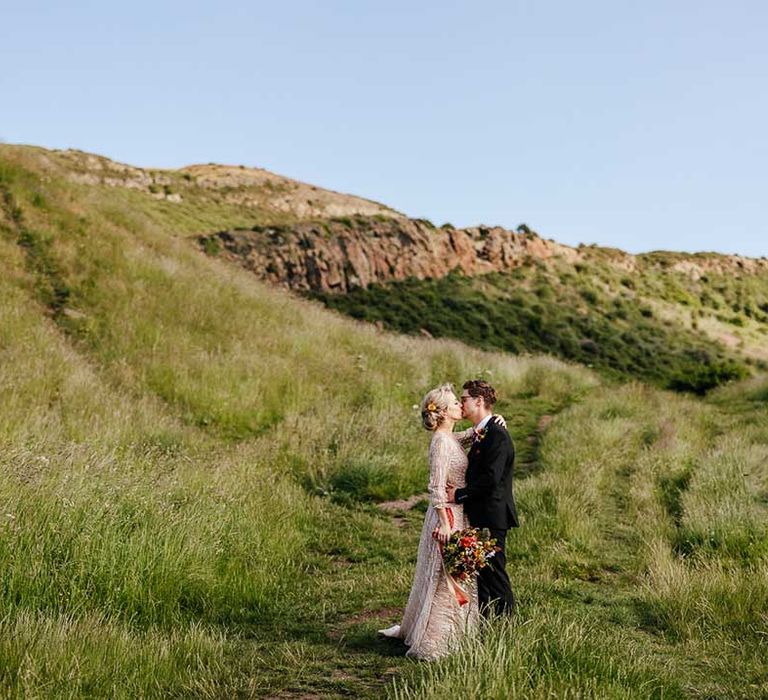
pixel 434 405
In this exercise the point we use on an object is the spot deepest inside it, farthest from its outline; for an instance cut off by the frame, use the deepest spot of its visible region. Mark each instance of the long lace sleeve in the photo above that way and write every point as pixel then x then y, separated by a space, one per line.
pixel 439 459
pixel 465 436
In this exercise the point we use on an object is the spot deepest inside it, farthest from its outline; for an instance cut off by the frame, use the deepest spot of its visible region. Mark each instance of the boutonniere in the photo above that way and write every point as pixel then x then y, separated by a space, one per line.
pixel 480 434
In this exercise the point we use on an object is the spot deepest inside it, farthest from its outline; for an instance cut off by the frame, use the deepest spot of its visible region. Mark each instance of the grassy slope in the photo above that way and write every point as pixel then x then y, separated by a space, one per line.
pixel 187 457
pixel 642 565
pixel 654 325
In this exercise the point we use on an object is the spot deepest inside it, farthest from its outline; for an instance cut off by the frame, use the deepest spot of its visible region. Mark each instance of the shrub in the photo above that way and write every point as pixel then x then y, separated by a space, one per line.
pixel 211 245
pixel 700 378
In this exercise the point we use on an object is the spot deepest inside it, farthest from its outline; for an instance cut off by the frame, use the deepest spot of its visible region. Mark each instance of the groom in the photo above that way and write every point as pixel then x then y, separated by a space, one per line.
pixel 487 498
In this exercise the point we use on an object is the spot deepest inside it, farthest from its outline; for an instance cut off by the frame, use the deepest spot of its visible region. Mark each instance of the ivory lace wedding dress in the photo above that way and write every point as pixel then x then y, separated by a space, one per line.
pixel 434 621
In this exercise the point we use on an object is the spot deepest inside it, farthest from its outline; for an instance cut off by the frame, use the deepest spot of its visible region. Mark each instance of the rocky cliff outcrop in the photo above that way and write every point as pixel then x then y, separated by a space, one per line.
pixel 340 254
pixel 336 255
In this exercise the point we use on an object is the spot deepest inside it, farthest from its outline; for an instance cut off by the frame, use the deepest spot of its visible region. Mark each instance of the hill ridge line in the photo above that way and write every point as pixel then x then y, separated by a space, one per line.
pixel 309 238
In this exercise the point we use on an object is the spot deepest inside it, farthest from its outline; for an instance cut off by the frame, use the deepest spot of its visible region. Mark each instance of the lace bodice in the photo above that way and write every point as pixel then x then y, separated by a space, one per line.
pixel 447 463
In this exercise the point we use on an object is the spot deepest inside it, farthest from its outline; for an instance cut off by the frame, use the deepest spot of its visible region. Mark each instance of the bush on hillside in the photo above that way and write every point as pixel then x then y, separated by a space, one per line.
pixel 700 378
pixel 532 310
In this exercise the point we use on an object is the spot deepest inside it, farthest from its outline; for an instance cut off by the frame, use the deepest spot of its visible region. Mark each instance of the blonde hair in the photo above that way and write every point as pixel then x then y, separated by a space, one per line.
pixel 434 405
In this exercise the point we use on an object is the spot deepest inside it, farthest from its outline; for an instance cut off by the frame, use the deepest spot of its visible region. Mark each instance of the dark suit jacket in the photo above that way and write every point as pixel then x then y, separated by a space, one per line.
pixel 487 498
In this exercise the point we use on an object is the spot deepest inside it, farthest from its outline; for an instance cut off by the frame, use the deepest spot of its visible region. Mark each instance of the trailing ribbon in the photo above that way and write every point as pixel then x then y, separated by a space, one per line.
pixel 462 598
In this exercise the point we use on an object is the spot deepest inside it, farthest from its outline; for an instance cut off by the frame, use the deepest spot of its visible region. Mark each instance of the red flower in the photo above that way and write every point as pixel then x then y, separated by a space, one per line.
pixel 468 552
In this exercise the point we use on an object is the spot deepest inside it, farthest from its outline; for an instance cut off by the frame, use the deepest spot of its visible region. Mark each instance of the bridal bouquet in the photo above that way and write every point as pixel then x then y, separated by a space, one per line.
pixel 468 551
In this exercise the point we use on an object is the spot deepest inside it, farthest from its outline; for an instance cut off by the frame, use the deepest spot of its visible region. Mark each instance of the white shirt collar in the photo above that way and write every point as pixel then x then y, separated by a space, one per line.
pixel 483 422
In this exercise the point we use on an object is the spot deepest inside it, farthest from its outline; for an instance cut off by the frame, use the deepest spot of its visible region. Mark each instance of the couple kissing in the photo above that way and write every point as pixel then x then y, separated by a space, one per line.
pixel 470 485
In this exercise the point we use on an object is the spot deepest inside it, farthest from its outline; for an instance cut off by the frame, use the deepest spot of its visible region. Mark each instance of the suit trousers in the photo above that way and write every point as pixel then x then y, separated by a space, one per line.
pixel 493 588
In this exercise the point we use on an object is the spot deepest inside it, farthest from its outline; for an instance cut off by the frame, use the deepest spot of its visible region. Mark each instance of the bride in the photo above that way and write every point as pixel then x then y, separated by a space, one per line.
pixel 438 614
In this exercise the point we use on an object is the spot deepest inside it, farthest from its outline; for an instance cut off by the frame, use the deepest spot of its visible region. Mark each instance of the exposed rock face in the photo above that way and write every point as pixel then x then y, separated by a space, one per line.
pixel 336 255
pixel 340 254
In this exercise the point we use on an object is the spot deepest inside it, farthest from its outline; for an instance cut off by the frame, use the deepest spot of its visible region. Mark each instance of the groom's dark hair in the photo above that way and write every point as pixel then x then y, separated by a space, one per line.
pixel 481 388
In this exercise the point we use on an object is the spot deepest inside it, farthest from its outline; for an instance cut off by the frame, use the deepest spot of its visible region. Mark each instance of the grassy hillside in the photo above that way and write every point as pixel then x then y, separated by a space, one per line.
pixel 653 324
pixel 191 460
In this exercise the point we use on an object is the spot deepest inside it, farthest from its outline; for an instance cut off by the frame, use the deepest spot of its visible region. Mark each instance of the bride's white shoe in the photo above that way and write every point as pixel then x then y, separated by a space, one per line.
pixel 393 632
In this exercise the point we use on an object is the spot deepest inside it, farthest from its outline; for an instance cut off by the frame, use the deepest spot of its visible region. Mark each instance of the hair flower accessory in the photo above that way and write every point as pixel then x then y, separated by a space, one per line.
pixel 431 407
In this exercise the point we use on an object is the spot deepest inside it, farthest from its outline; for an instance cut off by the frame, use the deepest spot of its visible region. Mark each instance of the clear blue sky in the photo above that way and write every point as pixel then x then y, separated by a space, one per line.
pixel 640 125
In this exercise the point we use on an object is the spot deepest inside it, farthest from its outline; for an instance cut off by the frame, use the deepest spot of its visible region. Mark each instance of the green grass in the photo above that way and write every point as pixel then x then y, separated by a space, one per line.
pixel 580 318
pixel 191 462
pixel 608 605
